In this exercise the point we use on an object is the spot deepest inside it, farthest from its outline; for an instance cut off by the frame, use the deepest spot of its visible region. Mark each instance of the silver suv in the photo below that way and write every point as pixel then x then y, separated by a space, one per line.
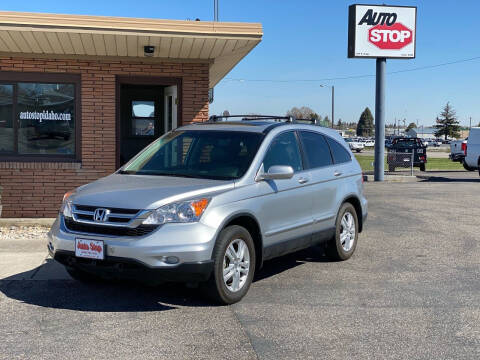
pixel 209 203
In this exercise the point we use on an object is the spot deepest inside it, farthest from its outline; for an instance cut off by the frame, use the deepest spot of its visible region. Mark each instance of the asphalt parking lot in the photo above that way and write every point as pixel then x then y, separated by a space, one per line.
pixel 412 290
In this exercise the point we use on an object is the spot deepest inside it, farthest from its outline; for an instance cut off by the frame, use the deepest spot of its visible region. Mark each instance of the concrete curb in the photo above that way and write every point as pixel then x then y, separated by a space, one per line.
pixel 392 178
pixel 45 222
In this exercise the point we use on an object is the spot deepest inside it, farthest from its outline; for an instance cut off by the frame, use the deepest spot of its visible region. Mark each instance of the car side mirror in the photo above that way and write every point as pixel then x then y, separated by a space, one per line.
pixel 276 172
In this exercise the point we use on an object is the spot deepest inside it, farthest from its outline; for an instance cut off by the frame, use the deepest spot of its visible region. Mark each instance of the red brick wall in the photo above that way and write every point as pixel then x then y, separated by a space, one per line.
pixel 30 189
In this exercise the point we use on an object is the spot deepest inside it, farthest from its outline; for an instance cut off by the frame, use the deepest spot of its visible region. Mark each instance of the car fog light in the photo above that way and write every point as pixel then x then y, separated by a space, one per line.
pixel 172 260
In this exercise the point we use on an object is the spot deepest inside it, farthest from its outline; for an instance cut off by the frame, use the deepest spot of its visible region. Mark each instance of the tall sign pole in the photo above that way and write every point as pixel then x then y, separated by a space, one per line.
pixel 379 120
pixel 381 32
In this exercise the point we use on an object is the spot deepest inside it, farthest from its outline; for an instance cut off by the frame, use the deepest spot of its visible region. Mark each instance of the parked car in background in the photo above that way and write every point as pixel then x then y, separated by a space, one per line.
pixel 458 149
pixel 209 203
pixel 472 149
pixel 355 145
pixel 369 142
pixel 400 153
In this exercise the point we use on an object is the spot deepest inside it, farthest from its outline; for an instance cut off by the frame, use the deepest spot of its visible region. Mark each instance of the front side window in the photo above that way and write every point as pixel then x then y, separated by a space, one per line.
pixel 316 149
pixel 284 150
pixel 37 119
pixel 339 153
pixel 220 155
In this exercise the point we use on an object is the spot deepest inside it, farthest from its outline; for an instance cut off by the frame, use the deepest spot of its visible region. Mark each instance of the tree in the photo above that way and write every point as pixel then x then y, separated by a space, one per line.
pixel 340 124
pixel 412 125
pixel 226 113
pixel 447 123
pixel 327 122
pixel 303 112
pixel 365 123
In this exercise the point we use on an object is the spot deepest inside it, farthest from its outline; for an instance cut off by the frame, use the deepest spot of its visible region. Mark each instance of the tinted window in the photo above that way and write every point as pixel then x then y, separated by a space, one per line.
pixel 316 149
pixel 340 154
pixel 283 151
pixel 218 155
pixel 46 114
pixel 6 119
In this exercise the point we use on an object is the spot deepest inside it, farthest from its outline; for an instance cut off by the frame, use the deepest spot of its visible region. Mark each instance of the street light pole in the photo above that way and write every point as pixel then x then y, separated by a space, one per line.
pixel 333 104
pixel 333 101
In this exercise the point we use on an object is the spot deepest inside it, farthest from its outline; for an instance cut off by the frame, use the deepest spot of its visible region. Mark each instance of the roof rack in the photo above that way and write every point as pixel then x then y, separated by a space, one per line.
pixel 286 119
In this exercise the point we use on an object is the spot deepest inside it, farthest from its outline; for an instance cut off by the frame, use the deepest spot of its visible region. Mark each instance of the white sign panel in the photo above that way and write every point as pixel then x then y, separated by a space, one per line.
pixel 381 31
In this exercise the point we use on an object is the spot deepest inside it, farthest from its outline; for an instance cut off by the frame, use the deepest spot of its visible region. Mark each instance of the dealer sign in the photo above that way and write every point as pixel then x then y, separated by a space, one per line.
pixel 379 31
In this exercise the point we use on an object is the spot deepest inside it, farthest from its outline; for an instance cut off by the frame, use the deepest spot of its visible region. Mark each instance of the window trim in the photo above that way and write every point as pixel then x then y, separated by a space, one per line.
pixel 13 78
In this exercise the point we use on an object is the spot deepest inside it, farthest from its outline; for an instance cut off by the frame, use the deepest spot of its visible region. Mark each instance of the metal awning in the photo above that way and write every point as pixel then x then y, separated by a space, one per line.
pixel 222 44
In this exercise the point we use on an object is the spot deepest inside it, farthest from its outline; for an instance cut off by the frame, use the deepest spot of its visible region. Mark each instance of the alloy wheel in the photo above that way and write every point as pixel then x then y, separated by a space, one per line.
pixel 236 265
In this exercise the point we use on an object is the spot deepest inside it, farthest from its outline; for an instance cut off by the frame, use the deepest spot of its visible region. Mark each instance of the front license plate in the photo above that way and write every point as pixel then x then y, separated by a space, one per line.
pixel 90 249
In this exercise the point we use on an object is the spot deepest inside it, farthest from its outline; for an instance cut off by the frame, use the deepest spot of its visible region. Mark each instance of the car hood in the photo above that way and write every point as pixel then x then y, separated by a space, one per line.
pixel 144 191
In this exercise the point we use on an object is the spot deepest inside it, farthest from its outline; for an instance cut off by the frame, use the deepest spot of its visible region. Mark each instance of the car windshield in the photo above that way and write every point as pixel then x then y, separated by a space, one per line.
pixel 220 155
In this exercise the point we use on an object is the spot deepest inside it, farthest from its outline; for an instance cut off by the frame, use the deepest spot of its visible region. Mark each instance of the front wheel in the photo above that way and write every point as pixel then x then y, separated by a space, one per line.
pixel 343 244
pixel 234 265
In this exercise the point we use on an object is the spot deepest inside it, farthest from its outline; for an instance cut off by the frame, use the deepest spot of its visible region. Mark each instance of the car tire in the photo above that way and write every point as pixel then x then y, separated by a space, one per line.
pixel 466 167
pixel 358 150
pixel 221 288
pixel 391 168
pixel 422 167
pixel 82 276
pixel 343 244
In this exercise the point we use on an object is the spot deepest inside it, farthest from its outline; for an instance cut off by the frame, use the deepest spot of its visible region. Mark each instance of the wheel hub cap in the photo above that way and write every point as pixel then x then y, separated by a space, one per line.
pixel 347 231
pixel 236 265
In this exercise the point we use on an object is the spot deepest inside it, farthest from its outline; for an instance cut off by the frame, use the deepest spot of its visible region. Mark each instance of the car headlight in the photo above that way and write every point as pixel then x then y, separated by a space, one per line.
pixel 179 212
pixel 66 208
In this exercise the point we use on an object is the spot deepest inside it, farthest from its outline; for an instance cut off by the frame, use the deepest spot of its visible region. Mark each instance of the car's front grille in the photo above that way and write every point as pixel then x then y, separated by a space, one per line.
pixel 112 215
pixel 141 230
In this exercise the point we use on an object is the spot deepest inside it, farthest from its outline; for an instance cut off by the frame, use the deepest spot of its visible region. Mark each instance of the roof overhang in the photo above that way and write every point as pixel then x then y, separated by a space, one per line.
pixel 221 44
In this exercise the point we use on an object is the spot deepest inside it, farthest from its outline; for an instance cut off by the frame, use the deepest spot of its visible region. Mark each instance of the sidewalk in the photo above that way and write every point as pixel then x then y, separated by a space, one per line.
pixel 26 258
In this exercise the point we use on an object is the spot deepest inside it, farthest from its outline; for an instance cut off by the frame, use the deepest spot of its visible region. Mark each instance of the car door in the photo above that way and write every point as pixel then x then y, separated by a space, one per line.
pixel 286 205
pixel 323 183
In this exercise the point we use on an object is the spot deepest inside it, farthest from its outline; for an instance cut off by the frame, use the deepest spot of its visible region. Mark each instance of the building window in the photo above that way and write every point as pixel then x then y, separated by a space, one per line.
pixel 38 120
pixel 143 118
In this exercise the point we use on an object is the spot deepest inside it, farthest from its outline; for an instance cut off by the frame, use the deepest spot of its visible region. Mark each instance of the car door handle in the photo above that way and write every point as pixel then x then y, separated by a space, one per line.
pixel 302 180
pixel 337 173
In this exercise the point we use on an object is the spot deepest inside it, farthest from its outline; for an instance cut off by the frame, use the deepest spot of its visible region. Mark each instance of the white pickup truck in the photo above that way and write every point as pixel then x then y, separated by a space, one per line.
pixel 457 152
pixel 472 150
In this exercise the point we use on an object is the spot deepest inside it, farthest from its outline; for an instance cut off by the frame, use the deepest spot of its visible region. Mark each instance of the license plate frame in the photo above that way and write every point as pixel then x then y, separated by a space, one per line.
pixel 89 249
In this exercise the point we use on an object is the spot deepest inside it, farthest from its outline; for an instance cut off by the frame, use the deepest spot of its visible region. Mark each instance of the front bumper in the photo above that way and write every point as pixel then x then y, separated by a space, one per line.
pixel 117 267
pixel 192 244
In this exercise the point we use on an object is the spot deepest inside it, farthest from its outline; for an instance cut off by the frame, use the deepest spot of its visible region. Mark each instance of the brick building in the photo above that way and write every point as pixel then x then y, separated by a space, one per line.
pixel 80 95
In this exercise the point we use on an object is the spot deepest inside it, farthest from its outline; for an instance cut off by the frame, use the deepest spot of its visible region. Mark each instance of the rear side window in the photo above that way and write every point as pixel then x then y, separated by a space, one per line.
pixel 340 154
pixel 284 151
pixel 316 149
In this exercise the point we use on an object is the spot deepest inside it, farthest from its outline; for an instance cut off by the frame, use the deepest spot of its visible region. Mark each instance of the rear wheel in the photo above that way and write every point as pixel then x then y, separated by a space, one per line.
pixel 234 265
pixel 343 244
pixel 422 167
pixel 391 168
pixel 466 167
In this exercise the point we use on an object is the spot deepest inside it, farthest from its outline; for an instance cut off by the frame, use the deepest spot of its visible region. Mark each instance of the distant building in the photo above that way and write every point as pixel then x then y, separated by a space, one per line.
pixel 422 132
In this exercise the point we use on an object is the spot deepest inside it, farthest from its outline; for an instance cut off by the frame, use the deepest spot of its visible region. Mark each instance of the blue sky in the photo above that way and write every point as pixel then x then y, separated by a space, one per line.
pixel 308 40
